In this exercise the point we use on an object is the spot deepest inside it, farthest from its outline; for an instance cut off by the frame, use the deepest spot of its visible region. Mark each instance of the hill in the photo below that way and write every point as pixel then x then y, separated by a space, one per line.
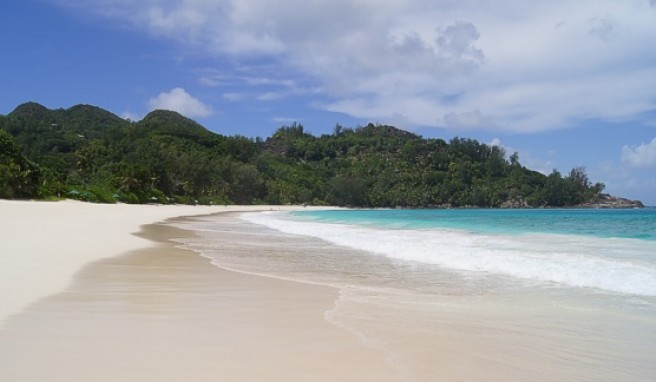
pixel 89 153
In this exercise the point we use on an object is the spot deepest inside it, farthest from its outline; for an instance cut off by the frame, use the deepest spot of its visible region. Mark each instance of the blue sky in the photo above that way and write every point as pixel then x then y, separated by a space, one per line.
pixel 563 83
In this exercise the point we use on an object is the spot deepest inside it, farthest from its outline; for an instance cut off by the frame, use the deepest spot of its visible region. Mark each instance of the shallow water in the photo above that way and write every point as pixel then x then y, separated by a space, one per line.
pixel 529 246
pixel 582 307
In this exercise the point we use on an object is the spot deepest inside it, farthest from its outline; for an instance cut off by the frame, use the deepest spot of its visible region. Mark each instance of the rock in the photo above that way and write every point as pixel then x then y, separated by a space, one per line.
pixel 515 203
pixel 609 201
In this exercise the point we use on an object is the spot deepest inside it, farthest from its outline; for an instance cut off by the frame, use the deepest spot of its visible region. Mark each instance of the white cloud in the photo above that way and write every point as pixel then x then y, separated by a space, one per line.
pixel 543 166
pixel 643 155
pixel 269 96
pixel 182 102
pixel 468 64
pixel 632 183
pixel 466 120
pixel 527 158
pixel 128 115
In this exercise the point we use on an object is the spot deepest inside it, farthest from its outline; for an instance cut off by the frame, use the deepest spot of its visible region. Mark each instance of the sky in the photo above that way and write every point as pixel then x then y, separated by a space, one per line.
pixel 563 83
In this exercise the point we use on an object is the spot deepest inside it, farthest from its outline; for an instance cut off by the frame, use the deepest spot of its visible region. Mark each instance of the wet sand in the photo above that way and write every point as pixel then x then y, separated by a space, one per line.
pixel 166 314
pixel 436 325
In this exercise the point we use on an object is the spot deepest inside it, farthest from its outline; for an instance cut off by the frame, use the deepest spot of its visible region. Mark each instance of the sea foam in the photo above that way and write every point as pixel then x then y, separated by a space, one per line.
pixel 611 265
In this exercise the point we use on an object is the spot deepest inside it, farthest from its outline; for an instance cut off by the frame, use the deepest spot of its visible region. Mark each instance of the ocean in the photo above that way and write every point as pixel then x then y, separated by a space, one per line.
pixel 611 251
pixel 480 294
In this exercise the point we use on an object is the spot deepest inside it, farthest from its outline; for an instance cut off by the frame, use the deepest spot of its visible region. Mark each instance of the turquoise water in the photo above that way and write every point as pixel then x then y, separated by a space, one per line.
pixel 633 224
pixel 608 251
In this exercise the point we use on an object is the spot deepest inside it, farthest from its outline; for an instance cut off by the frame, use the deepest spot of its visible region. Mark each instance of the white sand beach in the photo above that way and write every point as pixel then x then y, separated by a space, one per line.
pixel 44 244
pixel 83 298
pixel 99 293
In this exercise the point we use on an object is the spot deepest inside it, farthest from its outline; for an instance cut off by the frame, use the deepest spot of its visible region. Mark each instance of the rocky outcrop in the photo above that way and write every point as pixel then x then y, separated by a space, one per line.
pixel 609 201
pixel 515 203
pixel 602 201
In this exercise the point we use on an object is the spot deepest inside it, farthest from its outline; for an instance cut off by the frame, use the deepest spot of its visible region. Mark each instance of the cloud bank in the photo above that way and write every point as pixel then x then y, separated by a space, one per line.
pixel 641 156
pixel 182 102
pixel 470 64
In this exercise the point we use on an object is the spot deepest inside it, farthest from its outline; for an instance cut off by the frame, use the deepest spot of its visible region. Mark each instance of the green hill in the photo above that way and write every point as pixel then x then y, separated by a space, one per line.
pixel 89 153
pixel 166 122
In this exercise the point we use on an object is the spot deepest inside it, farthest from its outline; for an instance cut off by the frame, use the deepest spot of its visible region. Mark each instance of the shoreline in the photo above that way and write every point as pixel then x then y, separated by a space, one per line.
pixel 46 243
pixel 164 313
pixel 454 329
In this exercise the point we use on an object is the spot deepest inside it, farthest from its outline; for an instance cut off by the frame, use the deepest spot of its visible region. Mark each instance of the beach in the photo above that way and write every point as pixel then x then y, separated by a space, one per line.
pixel 159 313
pixel 44 244
pixel 178 293
pixel 436 323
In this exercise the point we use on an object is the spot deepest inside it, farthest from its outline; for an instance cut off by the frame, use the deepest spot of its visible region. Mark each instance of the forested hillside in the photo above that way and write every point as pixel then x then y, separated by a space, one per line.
pixel 91 154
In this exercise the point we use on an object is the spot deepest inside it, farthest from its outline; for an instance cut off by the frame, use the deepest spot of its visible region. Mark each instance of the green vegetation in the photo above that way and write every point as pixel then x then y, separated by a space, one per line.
pixel 90 154
pixel 19 176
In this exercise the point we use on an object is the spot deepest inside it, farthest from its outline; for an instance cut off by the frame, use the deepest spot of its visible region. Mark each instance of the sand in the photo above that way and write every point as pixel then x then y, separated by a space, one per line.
pixel 45 243
pixel 82 298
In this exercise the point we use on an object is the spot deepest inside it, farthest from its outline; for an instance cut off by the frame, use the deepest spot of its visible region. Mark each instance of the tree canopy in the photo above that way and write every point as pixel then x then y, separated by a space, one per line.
pixel 88 153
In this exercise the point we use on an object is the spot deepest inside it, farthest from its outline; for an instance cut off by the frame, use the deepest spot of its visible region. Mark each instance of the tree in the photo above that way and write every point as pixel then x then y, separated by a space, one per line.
pixel 347 191
pixel 246 185
pixel 554 190
pixel 19 177
pixel 514 159
pixel 579 184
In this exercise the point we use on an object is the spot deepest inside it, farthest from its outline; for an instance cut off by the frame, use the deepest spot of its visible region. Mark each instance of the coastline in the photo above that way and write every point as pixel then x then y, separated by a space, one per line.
pixel 162 313
pixel 46 243
pixel 433 323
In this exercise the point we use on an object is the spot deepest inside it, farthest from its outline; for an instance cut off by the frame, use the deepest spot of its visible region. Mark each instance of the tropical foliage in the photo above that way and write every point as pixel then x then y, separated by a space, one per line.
pixel 88 153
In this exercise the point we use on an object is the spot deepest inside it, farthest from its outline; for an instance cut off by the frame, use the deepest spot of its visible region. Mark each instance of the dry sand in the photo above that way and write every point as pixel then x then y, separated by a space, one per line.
pixel 43 244
pixel 82 311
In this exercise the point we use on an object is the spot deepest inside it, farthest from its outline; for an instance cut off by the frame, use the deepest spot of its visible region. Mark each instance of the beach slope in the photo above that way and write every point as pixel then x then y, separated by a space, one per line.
pixel 84 298
pixel 45 243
